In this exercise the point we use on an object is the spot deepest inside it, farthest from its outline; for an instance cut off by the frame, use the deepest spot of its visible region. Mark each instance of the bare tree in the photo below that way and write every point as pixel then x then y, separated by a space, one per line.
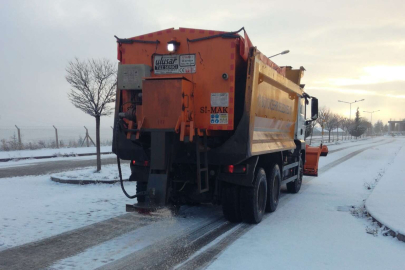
pixel 324 114
pixel 339 121
pixel 347 123
pixel 331 123
pixel 311 127
pixel 93 85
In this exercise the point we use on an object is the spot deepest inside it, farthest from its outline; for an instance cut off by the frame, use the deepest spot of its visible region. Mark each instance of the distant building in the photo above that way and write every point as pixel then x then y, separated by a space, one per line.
pixel 396 126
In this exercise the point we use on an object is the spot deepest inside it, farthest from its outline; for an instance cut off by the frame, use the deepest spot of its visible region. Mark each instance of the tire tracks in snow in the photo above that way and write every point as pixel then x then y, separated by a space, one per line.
pixel 171 251
pixel 43 253
pixel 343 148
pixel 349 156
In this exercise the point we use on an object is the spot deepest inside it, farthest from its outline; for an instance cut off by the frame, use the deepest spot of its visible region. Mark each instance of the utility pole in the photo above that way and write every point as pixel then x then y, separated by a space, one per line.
pixel 323 123
pixel 56 135
pixel 371 120
pixel 19 138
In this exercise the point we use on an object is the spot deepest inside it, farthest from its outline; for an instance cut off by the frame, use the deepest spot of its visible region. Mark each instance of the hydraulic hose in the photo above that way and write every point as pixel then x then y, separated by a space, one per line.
pixel 122 181
pixel 119 164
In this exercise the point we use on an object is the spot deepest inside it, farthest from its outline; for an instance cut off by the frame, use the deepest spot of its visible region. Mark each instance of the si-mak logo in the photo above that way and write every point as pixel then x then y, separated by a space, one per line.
pixel 213 109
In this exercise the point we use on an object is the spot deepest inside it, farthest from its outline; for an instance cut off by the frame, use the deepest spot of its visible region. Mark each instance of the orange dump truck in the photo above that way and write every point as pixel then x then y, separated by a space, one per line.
pixel 204 117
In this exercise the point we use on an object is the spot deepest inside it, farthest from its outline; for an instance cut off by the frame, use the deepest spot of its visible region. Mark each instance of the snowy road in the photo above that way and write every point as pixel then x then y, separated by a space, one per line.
pixel 310 230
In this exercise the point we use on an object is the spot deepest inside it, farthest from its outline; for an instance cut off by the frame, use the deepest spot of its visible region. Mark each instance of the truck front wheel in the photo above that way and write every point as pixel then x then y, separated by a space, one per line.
pixel 295 186
pixel 273 191
pixel 253 200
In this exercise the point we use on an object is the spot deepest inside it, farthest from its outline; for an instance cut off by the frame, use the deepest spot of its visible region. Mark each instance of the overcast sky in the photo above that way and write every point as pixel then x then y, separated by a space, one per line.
pixel 350 49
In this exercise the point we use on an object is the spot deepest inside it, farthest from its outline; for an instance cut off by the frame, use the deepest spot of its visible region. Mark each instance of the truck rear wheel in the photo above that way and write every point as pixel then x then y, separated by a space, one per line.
pixel 273 190
pixel 230 202
pixel 253 200
pixel 140 187
pixel 295 186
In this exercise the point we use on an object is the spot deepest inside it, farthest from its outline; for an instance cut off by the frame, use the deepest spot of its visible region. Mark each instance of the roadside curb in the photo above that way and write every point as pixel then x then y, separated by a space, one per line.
pixel 53 156
pixel 399 236
pixel 83 182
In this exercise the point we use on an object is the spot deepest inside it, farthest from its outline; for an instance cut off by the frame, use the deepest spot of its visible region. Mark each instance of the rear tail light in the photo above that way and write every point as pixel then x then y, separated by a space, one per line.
pixel 230 168
pixel 140 163
pixel 235 169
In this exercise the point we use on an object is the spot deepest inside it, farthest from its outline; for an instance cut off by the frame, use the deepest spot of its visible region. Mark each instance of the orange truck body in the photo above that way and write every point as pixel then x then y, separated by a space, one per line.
pixel 216 91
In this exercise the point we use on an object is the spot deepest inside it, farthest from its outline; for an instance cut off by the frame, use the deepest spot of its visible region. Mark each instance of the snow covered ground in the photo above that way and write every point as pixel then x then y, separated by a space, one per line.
pixel 314 229
pixel 108 172
pixel 51 152
pixel 316 140
pixel 387 201
pixel 18 163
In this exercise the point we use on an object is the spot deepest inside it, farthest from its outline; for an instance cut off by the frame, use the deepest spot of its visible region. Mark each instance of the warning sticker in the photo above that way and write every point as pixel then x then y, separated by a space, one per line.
pixel 219 99
pixel 174 63
pixel 219 118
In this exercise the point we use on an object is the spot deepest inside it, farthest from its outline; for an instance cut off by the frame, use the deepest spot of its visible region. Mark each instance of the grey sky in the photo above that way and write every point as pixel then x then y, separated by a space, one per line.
pixel 350 49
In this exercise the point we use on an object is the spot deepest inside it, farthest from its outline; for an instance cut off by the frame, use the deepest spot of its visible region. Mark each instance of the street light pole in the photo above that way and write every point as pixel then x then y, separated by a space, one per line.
pixel 350 103
pixel 283 52
pixel 371 119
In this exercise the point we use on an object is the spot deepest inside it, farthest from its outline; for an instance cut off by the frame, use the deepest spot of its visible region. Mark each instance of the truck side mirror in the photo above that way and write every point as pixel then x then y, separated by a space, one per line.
pixel 314 108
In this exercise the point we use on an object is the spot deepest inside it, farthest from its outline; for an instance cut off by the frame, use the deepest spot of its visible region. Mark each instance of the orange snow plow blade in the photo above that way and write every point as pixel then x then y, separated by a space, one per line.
pixel 312 155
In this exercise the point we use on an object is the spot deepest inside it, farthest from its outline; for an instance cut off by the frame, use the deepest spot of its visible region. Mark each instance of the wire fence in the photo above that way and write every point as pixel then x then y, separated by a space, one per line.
pixel 26 137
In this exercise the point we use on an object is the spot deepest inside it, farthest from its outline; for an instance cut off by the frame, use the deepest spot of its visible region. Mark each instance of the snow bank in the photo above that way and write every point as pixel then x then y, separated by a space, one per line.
pixel 387 201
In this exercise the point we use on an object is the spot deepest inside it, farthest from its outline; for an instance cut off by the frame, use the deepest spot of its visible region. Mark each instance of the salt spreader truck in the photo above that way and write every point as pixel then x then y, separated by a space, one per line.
pixel 205 117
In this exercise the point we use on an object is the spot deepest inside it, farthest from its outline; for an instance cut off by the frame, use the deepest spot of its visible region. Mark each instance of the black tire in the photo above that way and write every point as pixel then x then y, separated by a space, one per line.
pixel 253 200
pixel 273 190
pixel 295 186
pixel 140 187
pixel 231 203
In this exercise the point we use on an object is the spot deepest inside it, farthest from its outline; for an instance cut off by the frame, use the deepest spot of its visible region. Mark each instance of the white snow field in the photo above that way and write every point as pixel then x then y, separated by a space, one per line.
pixel 313 229
pixel 387 201
pixel 50 152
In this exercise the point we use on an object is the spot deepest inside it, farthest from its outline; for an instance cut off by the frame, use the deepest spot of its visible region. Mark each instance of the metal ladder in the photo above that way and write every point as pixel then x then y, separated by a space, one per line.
pixel 202 186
